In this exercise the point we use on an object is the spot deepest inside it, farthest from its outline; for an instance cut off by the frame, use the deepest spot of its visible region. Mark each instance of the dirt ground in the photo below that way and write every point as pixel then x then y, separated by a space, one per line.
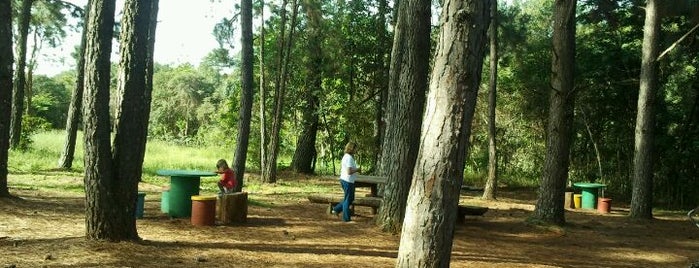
pixel 46 229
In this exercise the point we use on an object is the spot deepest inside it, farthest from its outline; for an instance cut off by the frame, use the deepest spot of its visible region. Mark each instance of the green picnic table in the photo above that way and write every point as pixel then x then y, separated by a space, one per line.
pixel 183 185
pixel 590 192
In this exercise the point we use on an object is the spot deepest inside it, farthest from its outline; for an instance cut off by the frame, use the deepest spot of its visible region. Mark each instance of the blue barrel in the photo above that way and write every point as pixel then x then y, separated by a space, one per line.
pixel 139 204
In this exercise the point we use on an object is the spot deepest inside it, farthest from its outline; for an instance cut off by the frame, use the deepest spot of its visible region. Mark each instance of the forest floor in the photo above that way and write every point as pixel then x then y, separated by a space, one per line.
pixel 45 228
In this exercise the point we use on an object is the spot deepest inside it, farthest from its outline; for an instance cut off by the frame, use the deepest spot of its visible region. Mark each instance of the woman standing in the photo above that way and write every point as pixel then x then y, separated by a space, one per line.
pixel 348 173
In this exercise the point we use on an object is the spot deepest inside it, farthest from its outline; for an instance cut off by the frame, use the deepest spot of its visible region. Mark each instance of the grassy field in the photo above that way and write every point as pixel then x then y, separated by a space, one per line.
pixel 38 166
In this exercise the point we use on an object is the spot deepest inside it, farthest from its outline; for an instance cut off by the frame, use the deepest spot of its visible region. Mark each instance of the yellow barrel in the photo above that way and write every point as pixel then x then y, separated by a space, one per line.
pixel 577 200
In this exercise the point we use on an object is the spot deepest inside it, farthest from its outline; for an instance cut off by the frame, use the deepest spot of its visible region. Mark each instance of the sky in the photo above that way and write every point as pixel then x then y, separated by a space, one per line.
pixel 183 34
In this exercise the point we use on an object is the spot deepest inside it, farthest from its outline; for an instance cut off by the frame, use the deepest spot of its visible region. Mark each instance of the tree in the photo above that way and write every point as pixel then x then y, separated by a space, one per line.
pixel 426 238
pixel 405 104
pixel 245 112
pixel 306 154
pixel 6 60
pixel 269 171
pixel 491 185
pixel 642 197
pixel 111 177
pixel 549 206
pixel 100 189
pixel 75 108
pixel 20 77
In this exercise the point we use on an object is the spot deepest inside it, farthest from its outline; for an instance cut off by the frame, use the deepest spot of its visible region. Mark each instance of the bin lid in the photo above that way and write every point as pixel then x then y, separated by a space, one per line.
pixel 203 198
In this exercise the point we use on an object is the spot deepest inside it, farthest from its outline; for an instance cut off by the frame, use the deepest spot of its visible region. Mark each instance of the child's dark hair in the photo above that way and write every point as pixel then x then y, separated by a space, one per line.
pixel 222 164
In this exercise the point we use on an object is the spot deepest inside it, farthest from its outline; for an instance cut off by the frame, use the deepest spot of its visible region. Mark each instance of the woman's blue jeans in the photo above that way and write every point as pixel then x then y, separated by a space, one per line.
pixel 343 206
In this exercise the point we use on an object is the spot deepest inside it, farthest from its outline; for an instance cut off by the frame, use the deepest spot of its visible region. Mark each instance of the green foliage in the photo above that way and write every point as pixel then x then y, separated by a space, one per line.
pixel 50 101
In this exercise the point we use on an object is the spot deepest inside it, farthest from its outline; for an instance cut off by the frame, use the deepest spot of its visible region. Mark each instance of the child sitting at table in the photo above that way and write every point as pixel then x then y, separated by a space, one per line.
pixel 227 183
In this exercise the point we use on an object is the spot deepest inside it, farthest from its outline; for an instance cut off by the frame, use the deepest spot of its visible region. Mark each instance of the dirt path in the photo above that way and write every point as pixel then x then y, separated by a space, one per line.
pixel 47 229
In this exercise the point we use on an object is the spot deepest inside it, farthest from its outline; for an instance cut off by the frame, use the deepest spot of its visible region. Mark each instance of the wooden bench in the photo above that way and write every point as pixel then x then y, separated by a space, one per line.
pixel 365 201
pixel 471 211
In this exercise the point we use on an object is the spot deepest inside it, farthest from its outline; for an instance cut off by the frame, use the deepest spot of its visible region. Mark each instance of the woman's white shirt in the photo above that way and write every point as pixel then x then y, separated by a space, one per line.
pixel 347 163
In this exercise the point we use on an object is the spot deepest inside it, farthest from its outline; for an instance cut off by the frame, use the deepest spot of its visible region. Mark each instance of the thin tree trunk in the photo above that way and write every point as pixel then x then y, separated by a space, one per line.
pixel 20 78
pixel 305 153
pixel 549 206
pixel 100 186
pixel 381 75
pixel 6 59
pixel 273 149
pixel 263 94
pixel 642 195
pixel 76 102
pixel 246 98
pixel 427 234
pixel 491 185
pixel 594 143
pixel 407 87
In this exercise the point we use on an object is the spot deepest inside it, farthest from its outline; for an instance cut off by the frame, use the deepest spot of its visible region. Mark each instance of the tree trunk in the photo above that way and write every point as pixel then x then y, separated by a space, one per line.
pixel 381 75
pixel 245 111
pixel 491 185
pixel 306 153
pixel 270 170
pixel 133 111
pixel 549 206
pixel 100 186
pixel 76 103
pixel 405 104
pixel 427 234
pixel 642 196
pixel 263 94
pixel 6 59
pixel 20 78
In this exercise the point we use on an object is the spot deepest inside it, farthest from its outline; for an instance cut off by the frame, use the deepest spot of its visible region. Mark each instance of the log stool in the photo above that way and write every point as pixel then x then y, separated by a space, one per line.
pixel 233 207
pixel 203 210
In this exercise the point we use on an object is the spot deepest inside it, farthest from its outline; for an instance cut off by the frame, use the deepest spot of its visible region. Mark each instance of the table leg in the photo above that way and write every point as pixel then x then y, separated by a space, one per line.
pixel 589 198
pixel 181 191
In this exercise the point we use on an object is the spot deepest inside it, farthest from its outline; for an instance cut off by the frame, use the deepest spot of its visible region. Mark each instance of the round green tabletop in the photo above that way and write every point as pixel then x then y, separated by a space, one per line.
pixel 183 185
pixel 589 193
pixel 184 173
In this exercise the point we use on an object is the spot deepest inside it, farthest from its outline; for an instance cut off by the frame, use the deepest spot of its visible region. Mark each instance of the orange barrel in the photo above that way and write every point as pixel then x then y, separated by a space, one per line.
pixel 604 205
pixel 203 210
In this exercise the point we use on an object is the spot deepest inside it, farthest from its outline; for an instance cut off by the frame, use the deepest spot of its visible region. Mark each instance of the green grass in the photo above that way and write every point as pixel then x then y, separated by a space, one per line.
pixel 37 167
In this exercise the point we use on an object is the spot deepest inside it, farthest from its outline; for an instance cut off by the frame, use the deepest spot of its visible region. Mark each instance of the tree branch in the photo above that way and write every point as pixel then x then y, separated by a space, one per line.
pixel 676 43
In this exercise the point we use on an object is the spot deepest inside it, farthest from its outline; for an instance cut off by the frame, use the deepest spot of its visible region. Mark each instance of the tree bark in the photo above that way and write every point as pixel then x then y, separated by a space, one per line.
pixel 101 188
pixel 6 60
pixel 20 78
pixel 76 103
pixel 642 195
pixel 427 234
pixel 491 185
pixel 245 111
pixel 549 206
pixel 305 153
pixel 407 87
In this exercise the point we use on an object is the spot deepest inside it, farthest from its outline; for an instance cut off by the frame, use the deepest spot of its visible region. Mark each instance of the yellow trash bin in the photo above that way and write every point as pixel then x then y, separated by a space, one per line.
pixel 577 200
